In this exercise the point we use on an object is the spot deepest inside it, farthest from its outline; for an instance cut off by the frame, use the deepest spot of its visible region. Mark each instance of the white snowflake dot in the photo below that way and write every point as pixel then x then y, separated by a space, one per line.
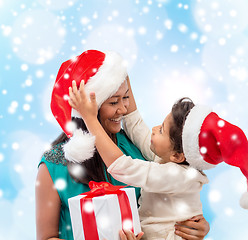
pixel 66 76
pixel 127 224
pixel 39 74
pixel 174 48
pixel 1 157
pixel 221 123
pixel 60 184
pixel 214 196
pixel 88 207
pixel 15 146
pixel 26 107
pixel 222 41
pixel 66 97
pixel 142 30
pixel 24 67
pixel 229 211
pixel 203 150
pixel 234 137
pixel 1 193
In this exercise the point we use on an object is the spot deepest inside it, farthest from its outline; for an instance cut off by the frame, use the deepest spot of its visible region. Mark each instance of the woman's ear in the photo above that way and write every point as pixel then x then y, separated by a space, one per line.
pixel 177 157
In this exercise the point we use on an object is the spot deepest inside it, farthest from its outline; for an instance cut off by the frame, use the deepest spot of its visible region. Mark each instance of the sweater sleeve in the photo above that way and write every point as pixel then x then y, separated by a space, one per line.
pixel 155 177
pixel 139 133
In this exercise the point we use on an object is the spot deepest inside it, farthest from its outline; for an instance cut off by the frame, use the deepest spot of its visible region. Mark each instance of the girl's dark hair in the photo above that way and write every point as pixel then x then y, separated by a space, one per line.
pixel 180 111
pixel 93 169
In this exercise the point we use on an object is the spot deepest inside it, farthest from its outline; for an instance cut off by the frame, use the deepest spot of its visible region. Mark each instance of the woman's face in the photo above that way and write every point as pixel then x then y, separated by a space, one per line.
pixel 113 109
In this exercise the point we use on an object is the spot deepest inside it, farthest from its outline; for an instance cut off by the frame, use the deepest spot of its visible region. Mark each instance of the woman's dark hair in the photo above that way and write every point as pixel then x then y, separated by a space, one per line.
pixel 93 169
pixel 180 111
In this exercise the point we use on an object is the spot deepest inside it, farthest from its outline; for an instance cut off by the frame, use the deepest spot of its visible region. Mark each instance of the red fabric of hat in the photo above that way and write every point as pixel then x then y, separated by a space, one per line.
pixel 214 140
pixel 81 68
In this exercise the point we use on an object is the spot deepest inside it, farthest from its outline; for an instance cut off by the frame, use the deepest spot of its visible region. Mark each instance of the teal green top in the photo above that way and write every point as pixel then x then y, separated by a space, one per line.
pixel 56 164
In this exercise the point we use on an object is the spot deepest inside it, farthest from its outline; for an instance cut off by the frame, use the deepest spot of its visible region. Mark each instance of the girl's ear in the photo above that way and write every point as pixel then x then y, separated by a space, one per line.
pixel 177 157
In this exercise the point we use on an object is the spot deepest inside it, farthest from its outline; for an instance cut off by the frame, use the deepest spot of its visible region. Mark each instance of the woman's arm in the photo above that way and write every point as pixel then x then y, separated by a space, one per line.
pixel 47 206
pixel 132 104
pixel 195 228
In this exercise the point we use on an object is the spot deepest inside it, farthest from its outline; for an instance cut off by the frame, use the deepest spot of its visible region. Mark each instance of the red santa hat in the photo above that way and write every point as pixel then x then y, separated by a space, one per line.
pixel 103 73
pixel 209 140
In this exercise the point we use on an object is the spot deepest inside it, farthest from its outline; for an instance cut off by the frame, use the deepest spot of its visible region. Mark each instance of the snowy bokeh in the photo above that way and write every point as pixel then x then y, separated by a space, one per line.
pixel 24 161
pixel 57 4
pixel 221 18
pixel 37 36
pixel 173 49
pixel 225 192
pixel 124 42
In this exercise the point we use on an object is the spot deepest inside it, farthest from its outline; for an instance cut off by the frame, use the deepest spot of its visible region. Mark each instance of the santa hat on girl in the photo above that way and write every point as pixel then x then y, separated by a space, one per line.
pixel 209 140
pixel 103 73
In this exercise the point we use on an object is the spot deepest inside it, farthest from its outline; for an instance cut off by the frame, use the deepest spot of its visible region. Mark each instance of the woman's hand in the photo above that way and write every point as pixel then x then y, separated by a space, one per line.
pixel 129 235
pixel 195 228
pixel 80 101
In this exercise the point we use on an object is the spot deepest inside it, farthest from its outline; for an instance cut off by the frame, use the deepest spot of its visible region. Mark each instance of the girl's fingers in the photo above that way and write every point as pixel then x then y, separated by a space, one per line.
pixel 130 235
pixel 140 235
pixel 74 86
pixel 82 91
pixel 93 98
pixel 122 235
pixel 75 90
pixel 71 103
pixel 72 98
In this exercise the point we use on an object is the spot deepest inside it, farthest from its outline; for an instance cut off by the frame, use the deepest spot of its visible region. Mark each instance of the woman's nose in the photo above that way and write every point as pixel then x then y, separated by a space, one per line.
pixel 122 109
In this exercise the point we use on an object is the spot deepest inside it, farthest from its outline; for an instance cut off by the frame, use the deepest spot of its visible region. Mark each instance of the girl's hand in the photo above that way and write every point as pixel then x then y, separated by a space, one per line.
pixel 80 102
pixel 129 235
pixel 195 228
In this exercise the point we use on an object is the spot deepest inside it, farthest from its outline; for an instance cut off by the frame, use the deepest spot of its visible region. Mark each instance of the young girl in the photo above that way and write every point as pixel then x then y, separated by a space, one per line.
pixel 170 188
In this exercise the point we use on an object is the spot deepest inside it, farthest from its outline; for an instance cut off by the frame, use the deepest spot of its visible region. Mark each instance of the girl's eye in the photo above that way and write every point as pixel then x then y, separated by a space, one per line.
pixel 126 97
pixel 160 129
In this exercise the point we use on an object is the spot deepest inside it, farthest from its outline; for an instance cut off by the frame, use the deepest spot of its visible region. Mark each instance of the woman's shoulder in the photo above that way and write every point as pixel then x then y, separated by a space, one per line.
pixel 55 155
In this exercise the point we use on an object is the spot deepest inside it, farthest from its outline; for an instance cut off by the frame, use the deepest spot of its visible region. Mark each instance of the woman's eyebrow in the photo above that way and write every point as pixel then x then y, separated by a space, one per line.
pixel 119 95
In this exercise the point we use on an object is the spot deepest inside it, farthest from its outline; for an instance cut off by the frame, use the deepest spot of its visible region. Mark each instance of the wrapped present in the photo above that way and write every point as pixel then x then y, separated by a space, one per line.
pixel 105 210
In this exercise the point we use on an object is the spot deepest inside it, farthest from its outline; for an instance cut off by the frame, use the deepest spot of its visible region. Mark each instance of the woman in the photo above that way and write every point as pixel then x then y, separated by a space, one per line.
pixel 62 175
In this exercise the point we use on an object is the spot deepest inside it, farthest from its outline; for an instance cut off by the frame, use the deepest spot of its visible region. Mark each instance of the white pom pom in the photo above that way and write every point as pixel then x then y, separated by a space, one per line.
pixel 80 147
pixel 244 201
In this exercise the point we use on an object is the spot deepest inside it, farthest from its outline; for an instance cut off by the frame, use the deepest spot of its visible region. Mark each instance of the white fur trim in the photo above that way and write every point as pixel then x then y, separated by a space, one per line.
pixel 80 147
pixel 108 78
pixel 244 201
pixel 190 137
pixel 75 113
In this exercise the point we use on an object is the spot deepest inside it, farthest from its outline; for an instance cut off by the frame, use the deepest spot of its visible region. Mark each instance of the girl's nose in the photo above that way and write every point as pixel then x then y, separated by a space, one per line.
pixel 154 129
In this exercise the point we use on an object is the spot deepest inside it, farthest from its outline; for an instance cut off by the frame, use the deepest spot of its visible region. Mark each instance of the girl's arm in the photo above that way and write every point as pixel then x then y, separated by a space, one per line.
pixel 139 133
pixel 136 129
pixel 88 110
pixel 47 206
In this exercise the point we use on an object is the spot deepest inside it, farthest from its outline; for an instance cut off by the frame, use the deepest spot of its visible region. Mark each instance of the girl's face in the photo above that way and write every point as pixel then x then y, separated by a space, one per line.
pixel 113 109
pixel 161 143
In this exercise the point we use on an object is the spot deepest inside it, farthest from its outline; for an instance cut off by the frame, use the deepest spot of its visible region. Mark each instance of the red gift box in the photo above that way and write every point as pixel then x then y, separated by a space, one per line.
pixel 102 212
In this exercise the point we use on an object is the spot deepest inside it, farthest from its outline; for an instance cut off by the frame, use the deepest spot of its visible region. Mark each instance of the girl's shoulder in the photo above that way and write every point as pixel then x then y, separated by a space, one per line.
pixel 55 155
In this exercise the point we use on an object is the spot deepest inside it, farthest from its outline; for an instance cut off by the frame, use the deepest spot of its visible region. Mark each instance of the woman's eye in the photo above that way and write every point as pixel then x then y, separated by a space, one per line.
pixel 126 97
pixel 113 103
